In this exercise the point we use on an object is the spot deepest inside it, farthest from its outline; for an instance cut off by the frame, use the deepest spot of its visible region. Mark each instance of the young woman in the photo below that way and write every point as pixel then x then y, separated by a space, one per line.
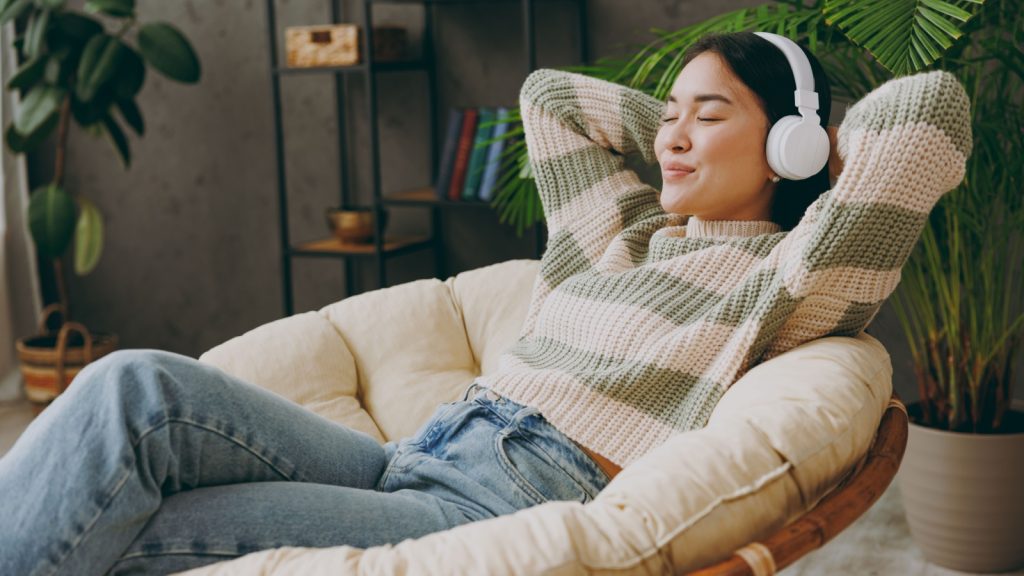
pixel 639 321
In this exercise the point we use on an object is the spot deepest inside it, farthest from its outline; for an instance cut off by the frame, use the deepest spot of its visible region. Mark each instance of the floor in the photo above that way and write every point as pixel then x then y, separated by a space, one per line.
pixel 877 544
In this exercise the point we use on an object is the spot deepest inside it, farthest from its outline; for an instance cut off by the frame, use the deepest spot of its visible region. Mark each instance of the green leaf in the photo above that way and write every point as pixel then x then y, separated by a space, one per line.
pixel 117 8
pixel 118 140
pixel 905 36
pixel 167 50
pixel 948 9
pixel 14 10
pixel 131 74
pixel 19 143
pixel 51 4
pixel 88 113
pixel 75 28
pixel 88 237
pixel 931 20
pixel 130 111
pixel 51 219
pixel 41 103
pixel 59 66
pixel 97 65
pixel 28 74
pixel 35 33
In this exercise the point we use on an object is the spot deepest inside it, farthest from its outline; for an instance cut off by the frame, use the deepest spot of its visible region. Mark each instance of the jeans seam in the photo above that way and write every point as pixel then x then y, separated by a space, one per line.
pixel 505 419
pixel 92 523
pixel 390 468
pixel 231 553
pixel 516 477
pixel 209 428
pixel 554 462
pixel 438 418
pixel 127 474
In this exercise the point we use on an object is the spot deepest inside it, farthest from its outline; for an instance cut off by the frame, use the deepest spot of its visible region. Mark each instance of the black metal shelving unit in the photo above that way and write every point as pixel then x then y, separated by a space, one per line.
pixel 384 248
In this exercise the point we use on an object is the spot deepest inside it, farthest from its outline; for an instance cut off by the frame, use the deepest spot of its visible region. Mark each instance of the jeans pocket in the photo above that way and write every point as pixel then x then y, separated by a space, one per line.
pixel 533 471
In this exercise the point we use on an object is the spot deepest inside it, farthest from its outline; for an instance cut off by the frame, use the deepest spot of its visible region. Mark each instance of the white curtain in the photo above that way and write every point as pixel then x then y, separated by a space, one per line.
pixel 20 302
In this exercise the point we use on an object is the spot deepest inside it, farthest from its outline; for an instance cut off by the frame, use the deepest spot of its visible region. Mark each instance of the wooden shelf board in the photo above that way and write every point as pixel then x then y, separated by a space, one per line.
pixel 384 66
pixel 427 196
pixel 334 246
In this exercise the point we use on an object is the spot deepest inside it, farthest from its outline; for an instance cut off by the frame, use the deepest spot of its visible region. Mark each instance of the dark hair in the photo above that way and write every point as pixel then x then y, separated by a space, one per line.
pixel 765 70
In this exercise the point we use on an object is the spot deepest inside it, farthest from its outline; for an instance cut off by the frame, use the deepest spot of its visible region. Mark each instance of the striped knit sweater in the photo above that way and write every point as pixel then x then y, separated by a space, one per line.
pixel 639 321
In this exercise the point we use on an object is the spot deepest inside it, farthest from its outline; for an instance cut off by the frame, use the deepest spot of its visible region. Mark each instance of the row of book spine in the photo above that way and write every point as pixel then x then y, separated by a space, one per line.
pixel 470 162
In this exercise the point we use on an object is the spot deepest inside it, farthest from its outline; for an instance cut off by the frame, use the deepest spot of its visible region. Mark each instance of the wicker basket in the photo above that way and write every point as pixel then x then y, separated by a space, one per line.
pixel 50 361
pixel 330 45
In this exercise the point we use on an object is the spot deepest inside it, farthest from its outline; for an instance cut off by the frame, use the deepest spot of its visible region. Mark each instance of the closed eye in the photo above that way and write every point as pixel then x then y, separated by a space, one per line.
pixel 667 120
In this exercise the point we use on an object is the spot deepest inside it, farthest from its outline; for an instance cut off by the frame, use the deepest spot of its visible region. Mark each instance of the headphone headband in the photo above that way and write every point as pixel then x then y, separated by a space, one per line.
pixel 805 96
pixel 797 146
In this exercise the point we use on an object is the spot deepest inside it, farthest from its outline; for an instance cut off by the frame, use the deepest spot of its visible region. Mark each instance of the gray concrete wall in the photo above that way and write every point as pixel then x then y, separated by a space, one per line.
pixel 192 252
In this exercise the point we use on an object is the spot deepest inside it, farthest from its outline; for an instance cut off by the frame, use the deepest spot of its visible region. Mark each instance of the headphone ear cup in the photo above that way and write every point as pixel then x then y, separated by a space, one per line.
pixel 796 148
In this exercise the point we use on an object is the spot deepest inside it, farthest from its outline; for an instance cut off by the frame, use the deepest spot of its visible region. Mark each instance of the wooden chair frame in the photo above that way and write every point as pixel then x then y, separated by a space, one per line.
pixel 840 508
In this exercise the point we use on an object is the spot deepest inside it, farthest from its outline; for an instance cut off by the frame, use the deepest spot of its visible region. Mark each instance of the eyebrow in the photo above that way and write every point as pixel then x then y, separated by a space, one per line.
pixel 703 98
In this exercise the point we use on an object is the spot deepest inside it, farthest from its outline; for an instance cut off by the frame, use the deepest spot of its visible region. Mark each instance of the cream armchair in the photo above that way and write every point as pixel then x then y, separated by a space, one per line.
pixel 788 433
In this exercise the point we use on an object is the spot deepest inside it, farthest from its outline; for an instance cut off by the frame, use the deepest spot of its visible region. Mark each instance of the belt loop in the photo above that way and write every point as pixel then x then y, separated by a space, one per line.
pixel 472 387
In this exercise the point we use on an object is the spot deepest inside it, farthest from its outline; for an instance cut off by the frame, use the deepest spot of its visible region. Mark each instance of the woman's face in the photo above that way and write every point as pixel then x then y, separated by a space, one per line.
pixel 711 146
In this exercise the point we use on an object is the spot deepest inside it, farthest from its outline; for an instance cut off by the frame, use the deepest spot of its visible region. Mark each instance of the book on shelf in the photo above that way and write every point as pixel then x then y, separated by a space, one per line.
pixel 474 170
pixel 470 167
pixel 451 146
pixel 492 164
pixel 466 136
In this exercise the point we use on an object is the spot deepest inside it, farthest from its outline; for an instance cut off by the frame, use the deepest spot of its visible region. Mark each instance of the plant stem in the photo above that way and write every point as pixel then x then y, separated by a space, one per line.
pixel 62 287
pixel 125 27
pixel 58 180
pixel 62 141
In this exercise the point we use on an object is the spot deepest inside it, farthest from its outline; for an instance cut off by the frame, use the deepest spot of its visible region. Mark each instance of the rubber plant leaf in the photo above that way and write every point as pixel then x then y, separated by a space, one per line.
pixel 20 143
pixel 88 237
pixel 118 140
pixel 167 50
pixel 28 74
pixel 13 10
pixel 51 219
pixel 40 104
pixel 116 8
pixel 35 33
pixel 97 65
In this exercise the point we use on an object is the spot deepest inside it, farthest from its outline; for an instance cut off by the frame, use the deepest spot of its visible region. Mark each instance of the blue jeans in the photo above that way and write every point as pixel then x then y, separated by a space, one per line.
pixel 152 462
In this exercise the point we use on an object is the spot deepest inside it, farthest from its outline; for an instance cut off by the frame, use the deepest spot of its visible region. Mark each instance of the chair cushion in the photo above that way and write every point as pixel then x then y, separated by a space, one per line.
pixel 780 440
pixel 410 350
pixel 494 301
pixel 382 361
pixel 302 359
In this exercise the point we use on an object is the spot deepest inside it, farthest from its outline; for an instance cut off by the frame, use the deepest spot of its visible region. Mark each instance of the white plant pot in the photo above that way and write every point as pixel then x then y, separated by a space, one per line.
pixel 964 497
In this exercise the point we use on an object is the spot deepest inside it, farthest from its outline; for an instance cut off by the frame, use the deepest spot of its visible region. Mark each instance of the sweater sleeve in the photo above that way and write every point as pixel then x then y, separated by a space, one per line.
pixel 903 146
pixel 578 132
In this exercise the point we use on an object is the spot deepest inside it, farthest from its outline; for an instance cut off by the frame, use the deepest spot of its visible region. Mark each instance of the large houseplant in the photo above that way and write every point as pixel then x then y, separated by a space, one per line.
pixel 960 301
pixel 80 66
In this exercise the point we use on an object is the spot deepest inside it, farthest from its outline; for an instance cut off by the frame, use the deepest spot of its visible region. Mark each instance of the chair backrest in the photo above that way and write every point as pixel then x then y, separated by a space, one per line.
pixel 854 496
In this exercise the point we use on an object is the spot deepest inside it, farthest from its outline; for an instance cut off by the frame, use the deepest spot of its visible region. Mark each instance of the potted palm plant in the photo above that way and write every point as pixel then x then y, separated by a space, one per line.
pixel 960 301
pixel 79 66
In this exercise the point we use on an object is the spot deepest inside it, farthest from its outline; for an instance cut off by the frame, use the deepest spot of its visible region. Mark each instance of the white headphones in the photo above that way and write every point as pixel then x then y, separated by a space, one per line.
pixel 798 146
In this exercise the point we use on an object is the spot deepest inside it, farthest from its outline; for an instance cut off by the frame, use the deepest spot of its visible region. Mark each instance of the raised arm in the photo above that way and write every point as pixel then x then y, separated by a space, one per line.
pixel 578 131
pixel 902 147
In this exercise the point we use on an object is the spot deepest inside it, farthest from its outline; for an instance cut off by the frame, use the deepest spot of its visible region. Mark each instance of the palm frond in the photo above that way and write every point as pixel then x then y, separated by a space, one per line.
pixel 906 36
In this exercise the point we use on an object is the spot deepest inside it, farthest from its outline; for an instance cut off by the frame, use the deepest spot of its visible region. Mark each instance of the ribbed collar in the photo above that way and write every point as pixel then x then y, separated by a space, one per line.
pixel 697 228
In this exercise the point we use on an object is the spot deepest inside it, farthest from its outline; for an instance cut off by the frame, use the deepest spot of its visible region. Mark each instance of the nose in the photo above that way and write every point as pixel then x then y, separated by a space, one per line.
pixel 677 138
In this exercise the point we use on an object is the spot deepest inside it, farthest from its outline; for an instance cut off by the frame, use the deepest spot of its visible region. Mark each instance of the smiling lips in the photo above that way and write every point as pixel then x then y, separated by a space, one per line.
pixel 676 171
